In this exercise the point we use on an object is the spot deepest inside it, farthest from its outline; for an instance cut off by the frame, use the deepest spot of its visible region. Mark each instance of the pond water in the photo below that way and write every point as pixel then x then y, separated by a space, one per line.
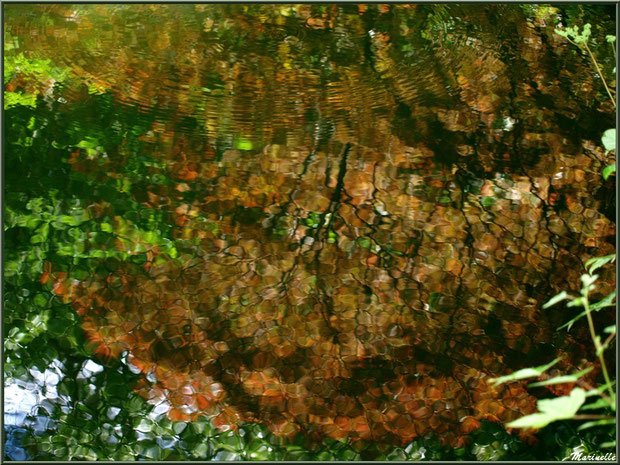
pixel 334 221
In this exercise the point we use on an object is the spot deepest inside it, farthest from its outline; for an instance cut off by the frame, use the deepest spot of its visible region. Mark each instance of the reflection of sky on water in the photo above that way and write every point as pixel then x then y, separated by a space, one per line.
pixel 23 401
pixel 21 398
pixel 18 402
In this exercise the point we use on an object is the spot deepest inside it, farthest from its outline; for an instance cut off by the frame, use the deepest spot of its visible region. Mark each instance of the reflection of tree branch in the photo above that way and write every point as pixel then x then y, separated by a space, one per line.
pixel 305 166
pixel 342 171
pixel 335 200
pixel 327 304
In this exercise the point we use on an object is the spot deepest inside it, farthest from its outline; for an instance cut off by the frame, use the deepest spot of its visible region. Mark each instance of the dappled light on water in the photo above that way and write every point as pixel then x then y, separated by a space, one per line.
pixel 337 221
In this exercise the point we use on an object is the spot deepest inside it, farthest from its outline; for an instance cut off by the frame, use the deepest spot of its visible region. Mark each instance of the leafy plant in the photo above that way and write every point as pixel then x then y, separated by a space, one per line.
pixel 23 78
pixel 609 142
pixel 581 39
pixel 571 407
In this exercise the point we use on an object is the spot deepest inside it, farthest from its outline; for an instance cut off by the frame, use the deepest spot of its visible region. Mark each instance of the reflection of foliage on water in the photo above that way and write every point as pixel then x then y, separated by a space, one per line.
pixel 335 311
pixel 257 269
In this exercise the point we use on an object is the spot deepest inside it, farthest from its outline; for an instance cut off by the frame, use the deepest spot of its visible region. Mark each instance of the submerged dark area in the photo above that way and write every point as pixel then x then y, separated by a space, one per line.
pixel 299 232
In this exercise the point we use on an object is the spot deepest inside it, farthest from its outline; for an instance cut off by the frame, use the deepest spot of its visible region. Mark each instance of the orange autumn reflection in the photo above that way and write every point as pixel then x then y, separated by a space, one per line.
pixel 368 212
pixel 341 327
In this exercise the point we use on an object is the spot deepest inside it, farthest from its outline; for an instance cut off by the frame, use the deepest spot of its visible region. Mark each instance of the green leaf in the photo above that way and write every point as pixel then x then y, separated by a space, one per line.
pixel 590 424
pixel 608 171
pixel 32 222
pixel 609 140
pixel 535 420
pixel 565 406
pixel 12 99
pixel 598 404
pixel 524 373
pixel 363 242
pixel 57 326
pixel 610 39
pixel 41 235
pixel 488 201
pixel 40 300
pixel 578 302
pixel 145 426
pixel 562 379
pixel 559 408
pixel 11 268
pixel 98 253
pixel 607 301
pixel 88 143
pixel 434 300
pixel 611 329
pixel 587 282
pixel 596 262
pixel 178 427
pixel 587 31
pixel 244 144
pixel 600 389
pixel 569 324
pixel 555 299
pixel 70 220
pixel 172 251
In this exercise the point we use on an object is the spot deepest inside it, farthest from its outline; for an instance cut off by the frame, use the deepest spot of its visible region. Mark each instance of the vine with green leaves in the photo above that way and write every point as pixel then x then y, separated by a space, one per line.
pixel 593 406
pixel 572 406
pixel 580 40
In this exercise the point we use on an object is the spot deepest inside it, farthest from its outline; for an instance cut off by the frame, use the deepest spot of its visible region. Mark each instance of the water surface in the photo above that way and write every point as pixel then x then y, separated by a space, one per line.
pixel 333 220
